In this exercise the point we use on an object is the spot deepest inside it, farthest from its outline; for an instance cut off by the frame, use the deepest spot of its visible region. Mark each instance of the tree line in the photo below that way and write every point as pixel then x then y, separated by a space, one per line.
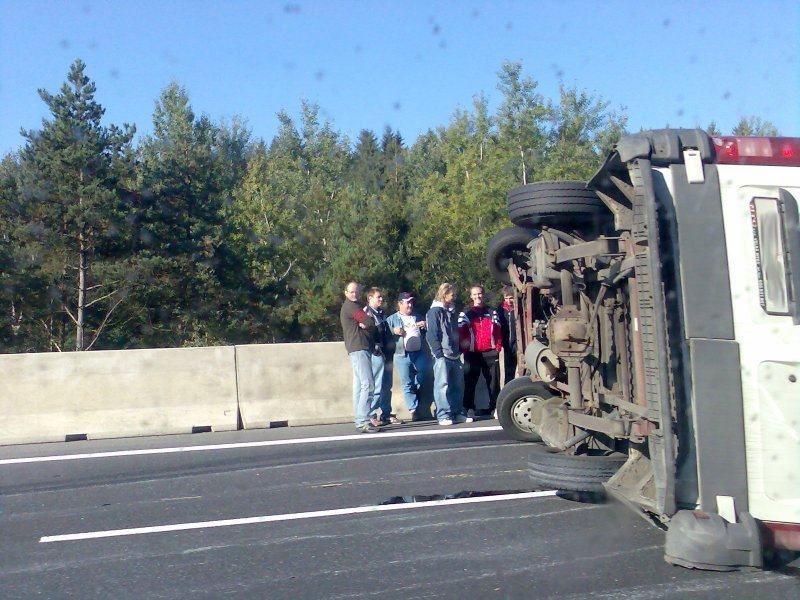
pixel 201 234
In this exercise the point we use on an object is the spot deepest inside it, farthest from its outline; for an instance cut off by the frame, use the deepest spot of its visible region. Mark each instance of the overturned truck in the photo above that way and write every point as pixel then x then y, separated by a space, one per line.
pixel 659 327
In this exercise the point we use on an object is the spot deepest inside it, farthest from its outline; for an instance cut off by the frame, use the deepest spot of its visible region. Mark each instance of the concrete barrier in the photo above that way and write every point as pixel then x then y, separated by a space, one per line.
pixel 52 397
pixel 308 383
pixel 57 396
pixel 294 384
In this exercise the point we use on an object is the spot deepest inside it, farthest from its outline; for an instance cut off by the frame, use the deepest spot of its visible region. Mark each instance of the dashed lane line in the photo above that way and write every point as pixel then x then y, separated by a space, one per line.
pixel 89 535
pixel 261 444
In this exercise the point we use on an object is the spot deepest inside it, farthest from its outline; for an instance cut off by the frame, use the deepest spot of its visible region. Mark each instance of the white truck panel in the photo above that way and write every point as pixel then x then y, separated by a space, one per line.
pixel 769 350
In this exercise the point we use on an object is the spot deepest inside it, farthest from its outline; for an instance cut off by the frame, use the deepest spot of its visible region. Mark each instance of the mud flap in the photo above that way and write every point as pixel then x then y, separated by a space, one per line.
pixel 633 485
pixel 699 540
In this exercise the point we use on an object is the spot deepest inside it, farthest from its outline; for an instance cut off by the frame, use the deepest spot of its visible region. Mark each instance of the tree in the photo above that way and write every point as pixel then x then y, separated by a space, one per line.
pixel 71 175
pixel 187 168
pixel 755 126
pixel 712 129
pixel 459 201
pixel 205 237
pixel 457 209
pixel 582 131
pixel 264 234
pixel 289 216
pixel 367 166
pixel 11 285
pixel 521 119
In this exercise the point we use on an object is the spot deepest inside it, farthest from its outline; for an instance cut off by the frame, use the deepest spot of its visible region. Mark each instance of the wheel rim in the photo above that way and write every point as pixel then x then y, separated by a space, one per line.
pixel 522 413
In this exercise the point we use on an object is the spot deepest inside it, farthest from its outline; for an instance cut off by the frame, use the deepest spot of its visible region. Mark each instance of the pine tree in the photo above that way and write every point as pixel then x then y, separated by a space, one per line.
pixel 71 173
pixel 366 169
pixel 181 184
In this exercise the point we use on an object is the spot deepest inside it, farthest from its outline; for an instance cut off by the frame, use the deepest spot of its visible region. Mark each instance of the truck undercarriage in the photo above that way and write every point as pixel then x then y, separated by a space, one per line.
pixel 621 299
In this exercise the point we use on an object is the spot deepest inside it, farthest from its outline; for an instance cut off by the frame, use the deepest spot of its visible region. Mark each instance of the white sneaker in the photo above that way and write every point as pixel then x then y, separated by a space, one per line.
pixel 495 413
pixel 445 421
pixel 462 419
pixel 471 414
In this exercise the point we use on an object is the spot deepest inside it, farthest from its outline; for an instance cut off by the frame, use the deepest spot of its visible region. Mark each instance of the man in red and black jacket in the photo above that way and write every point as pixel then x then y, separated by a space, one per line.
pixel 481 340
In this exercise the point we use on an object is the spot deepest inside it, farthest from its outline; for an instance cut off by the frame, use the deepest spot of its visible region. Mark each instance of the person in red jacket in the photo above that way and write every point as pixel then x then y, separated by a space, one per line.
pixel 481 340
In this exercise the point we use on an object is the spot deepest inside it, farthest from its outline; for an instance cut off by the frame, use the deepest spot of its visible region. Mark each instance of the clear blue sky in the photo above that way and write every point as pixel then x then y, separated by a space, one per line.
pixel 407 64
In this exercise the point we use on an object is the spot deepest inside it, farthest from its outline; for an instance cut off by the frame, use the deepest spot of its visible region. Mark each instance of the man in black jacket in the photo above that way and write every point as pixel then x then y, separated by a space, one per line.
pixel 508 326
pixel 358 330
pixel 381 356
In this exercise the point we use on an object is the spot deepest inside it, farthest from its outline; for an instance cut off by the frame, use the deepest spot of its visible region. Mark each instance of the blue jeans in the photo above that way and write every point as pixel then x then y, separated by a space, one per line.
pixel 382 394
pixel 363 385
pixel 411 368
pixel 448 387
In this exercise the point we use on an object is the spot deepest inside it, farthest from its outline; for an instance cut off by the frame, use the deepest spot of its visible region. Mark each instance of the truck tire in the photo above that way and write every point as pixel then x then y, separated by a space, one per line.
pixel 509 244
pixel 575 473
pixel 556 204
pixel 514 404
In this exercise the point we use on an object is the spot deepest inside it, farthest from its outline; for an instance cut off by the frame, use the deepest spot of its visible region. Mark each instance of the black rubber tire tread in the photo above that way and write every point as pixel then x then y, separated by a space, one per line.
pixel 501 245
pixel 554 203
pixel 573 473
pixel 511 392
pixel 550 188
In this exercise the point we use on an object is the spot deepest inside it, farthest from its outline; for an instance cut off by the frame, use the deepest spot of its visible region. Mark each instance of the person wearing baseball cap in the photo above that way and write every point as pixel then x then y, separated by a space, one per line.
pixel 410 361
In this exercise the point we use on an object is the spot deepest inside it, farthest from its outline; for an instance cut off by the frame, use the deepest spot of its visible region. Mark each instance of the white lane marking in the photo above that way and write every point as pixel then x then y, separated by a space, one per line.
pixel 315 440
pixel 287 517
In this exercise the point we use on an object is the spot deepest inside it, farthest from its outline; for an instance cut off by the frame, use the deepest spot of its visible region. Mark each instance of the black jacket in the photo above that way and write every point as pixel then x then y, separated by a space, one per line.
pixel 508 327
pixel 382 339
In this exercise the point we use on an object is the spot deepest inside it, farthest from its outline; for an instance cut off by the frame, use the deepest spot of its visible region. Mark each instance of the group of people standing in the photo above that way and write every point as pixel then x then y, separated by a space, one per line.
pixel 478 333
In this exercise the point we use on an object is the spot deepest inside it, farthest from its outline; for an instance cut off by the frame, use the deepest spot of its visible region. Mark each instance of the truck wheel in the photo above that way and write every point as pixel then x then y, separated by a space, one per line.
pixel 507 245
pixel 581 473
pixel 556 204
pixel 515 408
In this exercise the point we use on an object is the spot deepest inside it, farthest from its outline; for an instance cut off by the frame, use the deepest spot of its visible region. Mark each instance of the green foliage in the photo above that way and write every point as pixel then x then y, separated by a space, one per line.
pixel 203 236
pixel 17 283
pixel 284 219
pixel 755 126
pixel 582 129
pixel 521 121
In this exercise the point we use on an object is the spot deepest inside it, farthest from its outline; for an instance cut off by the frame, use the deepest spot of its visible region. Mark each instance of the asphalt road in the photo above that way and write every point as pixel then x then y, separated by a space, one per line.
pixel 318 512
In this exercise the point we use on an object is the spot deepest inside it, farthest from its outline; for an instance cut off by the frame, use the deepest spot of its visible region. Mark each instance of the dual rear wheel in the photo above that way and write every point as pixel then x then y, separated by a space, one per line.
pixel 547 466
